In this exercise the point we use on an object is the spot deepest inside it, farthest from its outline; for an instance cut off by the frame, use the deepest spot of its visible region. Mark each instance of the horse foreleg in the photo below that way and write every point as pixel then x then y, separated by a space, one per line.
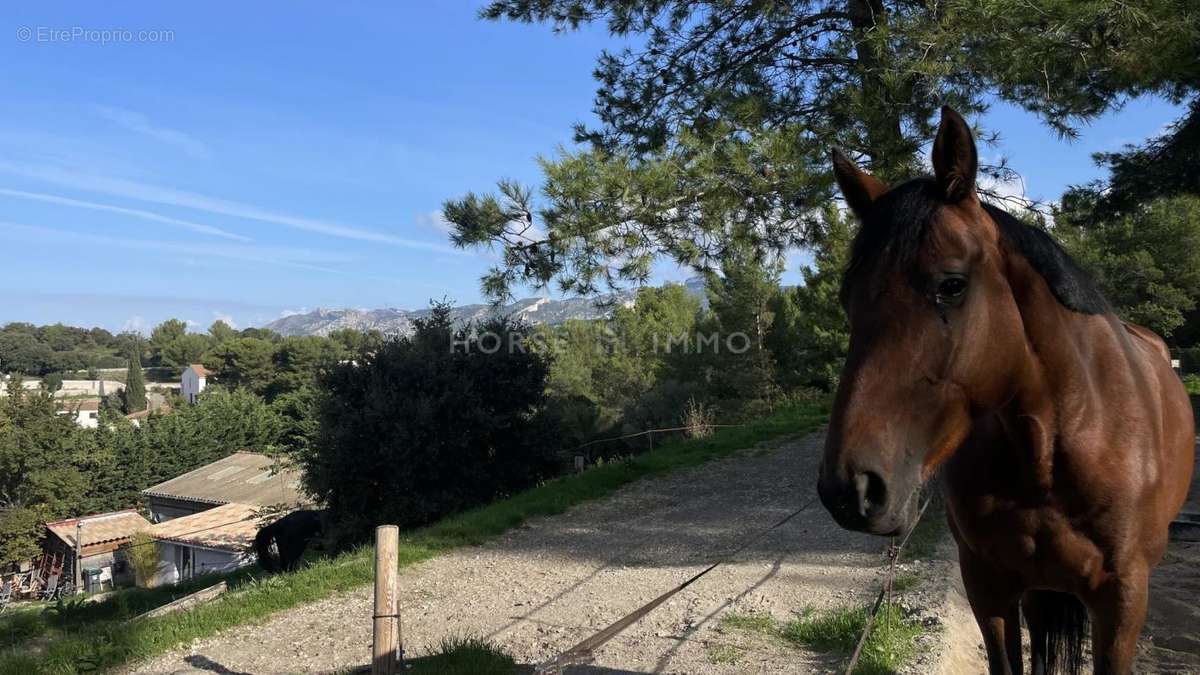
pixel 995 601
pixel 1118 610
pixel 1033 608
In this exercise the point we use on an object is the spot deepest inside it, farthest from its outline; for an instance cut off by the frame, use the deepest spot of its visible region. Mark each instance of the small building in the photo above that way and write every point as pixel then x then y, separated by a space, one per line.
pixel 140 416
pixel 85 413
pixel 192 382
pixel 101 537
pixel 241 478
pixel 217 540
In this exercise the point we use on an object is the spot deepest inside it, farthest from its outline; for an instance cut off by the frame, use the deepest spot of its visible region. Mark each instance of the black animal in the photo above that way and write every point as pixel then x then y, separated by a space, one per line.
pixel 291 535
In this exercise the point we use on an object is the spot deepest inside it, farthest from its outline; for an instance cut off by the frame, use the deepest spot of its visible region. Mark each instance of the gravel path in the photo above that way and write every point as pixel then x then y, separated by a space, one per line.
pixel 542 587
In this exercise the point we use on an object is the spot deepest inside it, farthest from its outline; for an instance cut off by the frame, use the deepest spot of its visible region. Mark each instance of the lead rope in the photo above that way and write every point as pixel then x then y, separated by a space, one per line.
pixel 886 591
pixel 583 652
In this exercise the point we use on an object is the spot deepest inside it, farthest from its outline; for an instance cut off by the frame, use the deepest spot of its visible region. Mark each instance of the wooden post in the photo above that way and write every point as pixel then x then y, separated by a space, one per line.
pixel 386 625
pixel 78 556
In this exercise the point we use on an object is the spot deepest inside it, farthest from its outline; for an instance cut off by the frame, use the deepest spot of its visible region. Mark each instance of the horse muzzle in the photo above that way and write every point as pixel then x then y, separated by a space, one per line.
pixel 864 500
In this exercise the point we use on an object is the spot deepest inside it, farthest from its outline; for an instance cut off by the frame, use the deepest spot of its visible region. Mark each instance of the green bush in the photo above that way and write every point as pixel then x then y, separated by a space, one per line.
pixel 142 554
pixel 1192 382
pixel 431 424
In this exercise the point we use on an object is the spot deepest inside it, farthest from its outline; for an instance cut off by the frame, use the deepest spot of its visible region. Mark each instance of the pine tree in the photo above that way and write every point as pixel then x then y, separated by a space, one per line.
pixel 135 387
pixel 810 335
pixel 741 300
pixel 714 125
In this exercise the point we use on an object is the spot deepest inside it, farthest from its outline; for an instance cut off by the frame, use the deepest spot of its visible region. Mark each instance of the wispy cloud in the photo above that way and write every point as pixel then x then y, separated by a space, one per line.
pixel 128 189
pixel 227 318
pixel 136 324
pixel 140 124
pixel 135 213
pixel 284 257
pixel 436 221
pixel 128 299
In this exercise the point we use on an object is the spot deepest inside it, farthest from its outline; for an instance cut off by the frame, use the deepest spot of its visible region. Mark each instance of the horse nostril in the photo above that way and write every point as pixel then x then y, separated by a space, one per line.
pixel 871 492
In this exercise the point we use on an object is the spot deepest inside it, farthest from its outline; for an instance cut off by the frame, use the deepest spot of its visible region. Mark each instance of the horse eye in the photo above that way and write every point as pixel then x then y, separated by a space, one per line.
pixel 951 288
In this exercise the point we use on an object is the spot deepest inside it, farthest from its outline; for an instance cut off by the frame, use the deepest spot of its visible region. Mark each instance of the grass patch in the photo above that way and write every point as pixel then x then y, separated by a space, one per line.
pixel 753 623
pixel 21 626
pixel 97 636
pixel 723 654
pixel 906 581
pixel 890 645
pixel 464 656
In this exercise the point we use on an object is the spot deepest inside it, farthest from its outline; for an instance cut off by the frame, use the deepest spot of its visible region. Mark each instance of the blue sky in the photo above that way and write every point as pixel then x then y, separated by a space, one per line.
pixel 254 159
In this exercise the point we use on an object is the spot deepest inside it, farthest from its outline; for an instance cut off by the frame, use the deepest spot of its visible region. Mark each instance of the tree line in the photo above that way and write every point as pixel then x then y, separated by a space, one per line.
pixel 710 150
pixel 261 399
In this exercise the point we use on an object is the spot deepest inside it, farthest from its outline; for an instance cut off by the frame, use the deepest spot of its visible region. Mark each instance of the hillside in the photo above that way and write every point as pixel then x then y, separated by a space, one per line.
pixel 393 321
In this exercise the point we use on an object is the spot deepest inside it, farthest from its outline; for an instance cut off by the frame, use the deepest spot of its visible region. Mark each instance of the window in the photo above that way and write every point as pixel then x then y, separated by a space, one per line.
pixel 184 562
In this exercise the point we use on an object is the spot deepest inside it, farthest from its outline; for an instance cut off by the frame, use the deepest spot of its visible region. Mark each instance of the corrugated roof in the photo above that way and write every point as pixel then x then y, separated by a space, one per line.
pixel 100 528
pixel 230 527
pixel 242 478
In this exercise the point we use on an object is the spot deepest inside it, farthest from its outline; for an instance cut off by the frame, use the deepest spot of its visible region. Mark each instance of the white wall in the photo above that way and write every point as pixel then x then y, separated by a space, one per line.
pixel 204 561
pixel 88 419
pixel 190 385
pixel 89 387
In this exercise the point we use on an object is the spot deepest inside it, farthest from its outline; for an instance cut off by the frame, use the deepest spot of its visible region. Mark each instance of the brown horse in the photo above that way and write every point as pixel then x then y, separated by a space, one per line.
pixel 1064 437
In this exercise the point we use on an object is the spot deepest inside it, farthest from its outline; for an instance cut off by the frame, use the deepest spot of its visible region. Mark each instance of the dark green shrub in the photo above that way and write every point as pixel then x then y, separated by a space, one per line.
pixel 429 425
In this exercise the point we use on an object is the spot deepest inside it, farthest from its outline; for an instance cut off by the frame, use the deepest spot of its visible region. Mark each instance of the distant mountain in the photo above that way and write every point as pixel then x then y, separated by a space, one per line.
pixel 399 321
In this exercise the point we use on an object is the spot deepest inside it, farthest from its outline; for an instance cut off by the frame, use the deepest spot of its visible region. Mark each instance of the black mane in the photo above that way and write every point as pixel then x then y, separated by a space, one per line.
pixel 894 229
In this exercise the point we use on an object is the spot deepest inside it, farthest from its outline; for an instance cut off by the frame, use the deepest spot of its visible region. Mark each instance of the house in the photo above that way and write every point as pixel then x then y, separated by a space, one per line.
pixel 192 382
pixel 140 416
pixel 206 519
pixel 217 540
pixel 85 413
pixel 100 536
pixel 241 478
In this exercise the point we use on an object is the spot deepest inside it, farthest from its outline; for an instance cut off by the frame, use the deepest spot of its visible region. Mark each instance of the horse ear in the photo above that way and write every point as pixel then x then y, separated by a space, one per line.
pixel 859 188
pixel 955 162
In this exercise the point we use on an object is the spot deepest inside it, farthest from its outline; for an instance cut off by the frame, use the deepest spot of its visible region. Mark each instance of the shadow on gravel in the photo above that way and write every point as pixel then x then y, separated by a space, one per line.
pixel 689 517
pixel 202 663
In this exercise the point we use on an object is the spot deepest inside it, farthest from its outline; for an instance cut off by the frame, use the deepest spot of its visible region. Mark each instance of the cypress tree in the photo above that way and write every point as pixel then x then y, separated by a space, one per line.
pixel 135 387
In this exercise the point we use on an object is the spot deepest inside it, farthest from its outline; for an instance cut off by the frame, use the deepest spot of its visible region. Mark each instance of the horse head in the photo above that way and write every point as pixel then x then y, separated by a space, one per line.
pixel 935 333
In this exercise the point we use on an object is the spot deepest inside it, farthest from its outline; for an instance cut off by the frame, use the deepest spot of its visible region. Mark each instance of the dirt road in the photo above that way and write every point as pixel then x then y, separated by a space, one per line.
pixel 543 587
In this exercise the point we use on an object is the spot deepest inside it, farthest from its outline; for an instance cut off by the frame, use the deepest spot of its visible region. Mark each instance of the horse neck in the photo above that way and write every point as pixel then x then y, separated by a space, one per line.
pixel 1055 390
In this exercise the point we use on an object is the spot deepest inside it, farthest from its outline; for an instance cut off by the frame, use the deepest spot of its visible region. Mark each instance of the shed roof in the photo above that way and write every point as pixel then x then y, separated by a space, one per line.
pixel 243 478
pixel 229 527
pixel 101 528
pixel 86 404
pixel 199 370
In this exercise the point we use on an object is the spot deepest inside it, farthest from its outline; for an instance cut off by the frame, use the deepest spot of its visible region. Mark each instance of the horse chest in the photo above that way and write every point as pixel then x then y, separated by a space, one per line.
pixel 1037 543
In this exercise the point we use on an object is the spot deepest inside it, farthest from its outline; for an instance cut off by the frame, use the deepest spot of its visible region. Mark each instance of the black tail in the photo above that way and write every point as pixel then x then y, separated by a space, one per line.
pixel 1065 621
pixel 262 544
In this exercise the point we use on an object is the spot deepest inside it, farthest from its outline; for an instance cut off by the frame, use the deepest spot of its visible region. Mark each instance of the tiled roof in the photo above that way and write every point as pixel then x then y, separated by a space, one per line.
pixel 86 405
pixel 243 478
pixel 230 527
pixel 200 370
pixel 143 414
pixel 101 528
